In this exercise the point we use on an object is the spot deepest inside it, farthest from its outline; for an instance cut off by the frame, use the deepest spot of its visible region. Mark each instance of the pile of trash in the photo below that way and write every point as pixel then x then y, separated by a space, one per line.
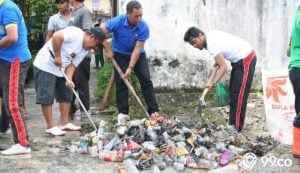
pixel 157 143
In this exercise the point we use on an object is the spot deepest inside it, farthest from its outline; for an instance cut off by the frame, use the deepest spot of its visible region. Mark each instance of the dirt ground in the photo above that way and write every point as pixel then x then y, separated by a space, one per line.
pixel 43 160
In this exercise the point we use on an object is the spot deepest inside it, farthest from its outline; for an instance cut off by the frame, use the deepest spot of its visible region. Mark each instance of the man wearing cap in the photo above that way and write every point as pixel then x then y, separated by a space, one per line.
pixel 59 20
pixel 64 51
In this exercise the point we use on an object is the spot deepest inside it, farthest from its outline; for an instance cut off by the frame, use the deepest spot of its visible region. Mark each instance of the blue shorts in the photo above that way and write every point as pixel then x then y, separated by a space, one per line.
pixel 48 86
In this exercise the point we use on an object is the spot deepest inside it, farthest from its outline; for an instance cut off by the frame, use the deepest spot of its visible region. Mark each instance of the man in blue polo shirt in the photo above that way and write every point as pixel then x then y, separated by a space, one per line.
pixel 130 33
pixel 14 63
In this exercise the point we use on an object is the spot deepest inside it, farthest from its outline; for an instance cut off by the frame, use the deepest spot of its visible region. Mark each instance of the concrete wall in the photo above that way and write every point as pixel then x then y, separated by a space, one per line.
pixel 266 24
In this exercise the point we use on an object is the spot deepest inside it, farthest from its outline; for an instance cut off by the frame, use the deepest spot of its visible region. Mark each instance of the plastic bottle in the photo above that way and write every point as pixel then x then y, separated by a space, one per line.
pixel 168 160
pixel 115 140
pixel 100 132
pixel 130 166
pixel 108 155
pixel 151 133
pixel 179 166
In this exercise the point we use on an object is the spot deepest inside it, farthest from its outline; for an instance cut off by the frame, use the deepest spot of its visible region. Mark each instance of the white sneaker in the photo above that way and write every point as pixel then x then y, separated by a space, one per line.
pixel 77 115
pixel 55 131
pixel 16 149
pixel 7 132
pixel 71 127
pixel 122 119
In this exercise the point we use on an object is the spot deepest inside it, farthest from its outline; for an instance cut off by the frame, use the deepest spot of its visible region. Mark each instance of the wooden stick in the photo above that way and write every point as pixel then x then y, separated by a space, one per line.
pixel 127 83
pixel 107 93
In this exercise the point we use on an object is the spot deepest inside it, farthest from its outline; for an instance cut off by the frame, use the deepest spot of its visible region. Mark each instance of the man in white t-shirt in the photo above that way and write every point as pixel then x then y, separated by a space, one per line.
pixel 223 46
pixel 63 52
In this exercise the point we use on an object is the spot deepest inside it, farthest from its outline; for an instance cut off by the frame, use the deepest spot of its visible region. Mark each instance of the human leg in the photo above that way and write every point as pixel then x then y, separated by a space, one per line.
pixel 294 75
pixel 142 71
pixel 63 96
pixel 121 88
pixel 81 79
pixel 45 85
pixel 13 79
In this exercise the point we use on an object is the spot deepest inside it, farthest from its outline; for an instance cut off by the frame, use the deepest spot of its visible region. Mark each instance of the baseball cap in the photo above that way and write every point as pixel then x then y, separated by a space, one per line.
pixel 98 33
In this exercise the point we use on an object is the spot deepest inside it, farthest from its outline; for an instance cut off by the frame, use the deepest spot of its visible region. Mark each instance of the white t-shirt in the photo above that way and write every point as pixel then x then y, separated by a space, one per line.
pixel 72 51
pixel 232 47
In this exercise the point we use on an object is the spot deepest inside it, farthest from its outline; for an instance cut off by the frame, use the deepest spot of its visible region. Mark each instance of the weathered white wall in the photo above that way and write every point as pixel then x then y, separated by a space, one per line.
pixel 266 24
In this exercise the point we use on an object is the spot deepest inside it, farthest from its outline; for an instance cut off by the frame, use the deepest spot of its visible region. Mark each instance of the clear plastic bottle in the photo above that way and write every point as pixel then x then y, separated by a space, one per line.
pixel 100 132
pixel 115 140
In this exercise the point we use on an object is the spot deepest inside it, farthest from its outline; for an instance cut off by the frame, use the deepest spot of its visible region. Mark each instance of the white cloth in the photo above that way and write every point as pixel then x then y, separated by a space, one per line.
pixel 72 51
pixel 232 47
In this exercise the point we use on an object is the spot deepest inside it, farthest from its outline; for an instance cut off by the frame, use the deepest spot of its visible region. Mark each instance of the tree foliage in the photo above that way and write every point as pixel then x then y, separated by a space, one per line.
pixel 36 14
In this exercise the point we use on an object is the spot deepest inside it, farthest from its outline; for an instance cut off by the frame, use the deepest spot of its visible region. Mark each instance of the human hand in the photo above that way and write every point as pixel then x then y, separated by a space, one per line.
pixel 70 84
pixel 127 73
pixel 210 86
pixel 57 61
pixel 108 55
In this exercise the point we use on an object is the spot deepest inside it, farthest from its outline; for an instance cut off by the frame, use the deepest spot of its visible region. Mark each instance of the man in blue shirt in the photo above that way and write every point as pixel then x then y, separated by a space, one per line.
pixel 14 63
pixel 130 33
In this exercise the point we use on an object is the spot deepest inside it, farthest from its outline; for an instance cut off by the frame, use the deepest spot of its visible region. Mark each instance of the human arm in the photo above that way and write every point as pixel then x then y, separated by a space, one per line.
pixel 134 58
pixel 49 35
pixel 57 40
pixel 69 71
pixel 107 49
pixel 11 37
pixel 220 63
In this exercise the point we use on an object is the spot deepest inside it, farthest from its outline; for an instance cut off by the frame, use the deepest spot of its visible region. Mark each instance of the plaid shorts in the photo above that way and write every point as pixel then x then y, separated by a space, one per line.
pixel 49 86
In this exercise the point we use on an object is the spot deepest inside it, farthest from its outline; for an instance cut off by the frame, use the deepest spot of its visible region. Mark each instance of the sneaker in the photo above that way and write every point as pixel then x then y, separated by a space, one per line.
pixel 26 115
pixel 6 132
pixel 70 126
pixel 55 131
pixel 122 119
pixel 156 117
pixel 77 115
pixel 16 149
pixel 84 115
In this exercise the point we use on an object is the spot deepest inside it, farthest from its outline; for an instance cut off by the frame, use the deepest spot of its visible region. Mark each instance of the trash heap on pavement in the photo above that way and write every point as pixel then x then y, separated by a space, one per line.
pixel 157 143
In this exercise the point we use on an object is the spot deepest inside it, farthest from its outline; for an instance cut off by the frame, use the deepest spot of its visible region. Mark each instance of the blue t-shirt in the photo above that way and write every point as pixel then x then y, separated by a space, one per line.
pixel 125 37
pixel 11 14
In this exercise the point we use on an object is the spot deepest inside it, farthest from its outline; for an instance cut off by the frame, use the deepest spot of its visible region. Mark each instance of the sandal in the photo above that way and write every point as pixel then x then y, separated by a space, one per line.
pixel 55 131
pixel 70 126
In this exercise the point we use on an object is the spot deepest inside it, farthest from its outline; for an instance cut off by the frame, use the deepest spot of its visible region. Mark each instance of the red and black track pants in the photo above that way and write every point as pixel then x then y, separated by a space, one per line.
pixel 13 76
pixel 239 87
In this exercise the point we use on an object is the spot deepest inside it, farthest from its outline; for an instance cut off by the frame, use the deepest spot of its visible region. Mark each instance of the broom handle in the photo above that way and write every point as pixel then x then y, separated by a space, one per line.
pixel 127 83
pixel 209 81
